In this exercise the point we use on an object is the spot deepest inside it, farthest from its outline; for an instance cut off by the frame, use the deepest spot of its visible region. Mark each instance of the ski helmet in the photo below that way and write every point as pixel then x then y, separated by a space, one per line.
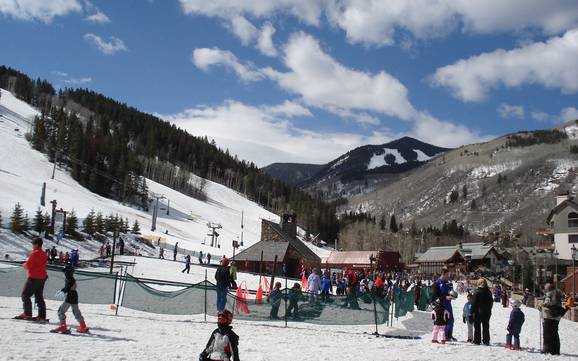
pixel 225 317
pixel 453 295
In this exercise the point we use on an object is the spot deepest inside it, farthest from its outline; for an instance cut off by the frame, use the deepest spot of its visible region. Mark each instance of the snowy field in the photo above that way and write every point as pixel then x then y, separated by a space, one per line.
pixel 136 335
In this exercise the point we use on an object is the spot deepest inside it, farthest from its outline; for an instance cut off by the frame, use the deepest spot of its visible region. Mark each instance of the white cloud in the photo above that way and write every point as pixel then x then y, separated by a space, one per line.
pixel 243 29
pixel 67 79
pixel 507 111
pixel 308 11
pixel 109 48
pixel 442 133
pixel 94 14
pixel 204 58
pixel 551 64
pixel 264 135
pixel 566 114
pixel 323 82
pixel 265 40
pixel 38 10
pixel 379 22
pixel 289 109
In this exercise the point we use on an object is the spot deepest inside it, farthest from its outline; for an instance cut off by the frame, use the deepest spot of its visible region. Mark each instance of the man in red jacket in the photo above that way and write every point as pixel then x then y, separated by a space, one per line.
pixel 36 267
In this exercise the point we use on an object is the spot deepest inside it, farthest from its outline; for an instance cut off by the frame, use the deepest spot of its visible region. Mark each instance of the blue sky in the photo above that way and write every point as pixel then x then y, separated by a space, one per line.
pixel 308 80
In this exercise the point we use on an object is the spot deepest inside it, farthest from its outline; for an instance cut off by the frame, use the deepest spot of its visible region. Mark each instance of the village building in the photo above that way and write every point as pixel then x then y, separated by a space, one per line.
pixel 564 222
pixel 379 260
pixel 463 257
pixel 278 240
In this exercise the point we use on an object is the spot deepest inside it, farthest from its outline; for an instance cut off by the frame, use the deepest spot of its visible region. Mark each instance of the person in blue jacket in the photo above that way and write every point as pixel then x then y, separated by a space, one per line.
pixel 452 295
pixel 326 288
pixel 468 317
pixel 515 326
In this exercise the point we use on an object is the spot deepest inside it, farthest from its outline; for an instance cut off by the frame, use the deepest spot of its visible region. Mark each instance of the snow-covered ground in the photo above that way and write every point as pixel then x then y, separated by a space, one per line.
pixel 23 170
pixel 136 335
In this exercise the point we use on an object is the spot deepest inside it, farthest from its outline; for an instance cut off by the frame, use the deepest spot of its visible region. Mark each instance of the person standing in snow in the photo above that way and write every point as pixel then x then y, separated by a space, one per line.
pixel 450 324
pixel 223 344
pixel 233 275
pixel 74 257
pixel 313 285
pixel 162 253
pixel 504 297
pixel 187 264
pixel 208 258
pixel 53 255
pixel 223 278
pixel 515 326
pixel 552 311
pixel 468 317
pixel 440 317
pixel 482 310
pixel 200 257
pixel 275 299
pixel 71 300
pixel 294 296
pixel 326 288
pixel 175 251
pixel 36 267
pixel 108 249
pixel 121 246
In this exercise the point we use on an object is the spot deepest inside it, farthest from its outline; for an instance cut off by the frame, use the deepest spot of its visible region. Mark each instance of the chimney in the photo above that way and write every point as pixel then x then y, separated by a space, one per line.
pixel 289 224
pixel 561 197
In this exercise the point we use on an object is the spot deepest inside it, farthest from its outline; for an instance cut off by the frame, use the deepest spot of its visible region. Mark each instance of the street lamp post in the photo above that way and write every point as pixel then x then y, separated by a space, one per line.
pixel 574 271
pixel 556 254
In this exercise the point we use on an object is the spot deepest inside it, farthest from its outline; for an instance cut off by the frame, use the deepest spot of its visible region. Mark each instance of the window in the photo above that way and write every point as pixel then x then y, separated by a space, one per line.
pixel 572 220
pixel 573 238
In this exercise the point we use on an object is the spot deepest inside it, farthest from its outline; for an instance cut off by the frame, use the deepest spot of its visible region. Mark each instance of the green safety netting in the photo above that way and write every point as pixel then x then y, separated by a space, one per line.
pixel 425 296
pixel 404 302
pixel 92 287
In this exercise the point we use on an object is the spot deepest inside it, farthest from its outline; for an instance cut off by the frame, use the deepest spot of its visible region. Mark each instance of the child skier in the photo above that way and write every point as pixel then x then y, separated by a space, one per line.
pixel 224 343
pixel 440 316
pixel 294 296
pixel 515 326
pixel 71 300
pixel 468 317
pixel 275 300
pixel 452 295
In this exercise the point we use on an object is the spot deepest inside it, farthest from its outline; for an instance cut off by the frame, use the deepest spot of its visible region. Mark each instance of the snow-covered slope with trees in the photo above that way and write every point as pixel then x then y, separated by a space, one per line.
pixel 23 170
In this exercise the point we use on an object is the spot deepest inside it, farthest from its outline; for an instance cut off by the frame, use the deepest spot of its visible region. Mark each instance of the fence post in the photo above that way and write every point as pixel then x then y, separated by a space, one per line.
pixel 120 293
pixel 285 301
pixel 374 312
pixel 205 295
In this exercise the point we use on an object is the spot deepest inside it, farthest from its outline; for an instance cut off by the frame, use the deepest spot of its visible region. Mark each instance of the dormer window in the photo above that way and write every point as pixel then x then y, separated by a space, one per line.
pixel 572 220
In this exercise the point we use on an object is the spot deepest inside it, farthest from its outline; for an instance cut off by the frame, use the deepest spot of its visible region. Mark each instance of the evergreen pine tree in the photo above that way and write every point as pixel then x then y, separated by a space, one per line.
pixel 125 226
pixel 71 223
pixel 393 224
pixel 38 221
pixel 109 223
pixel 17 219
pixel 99 223
pixel 382 223
pixel 465 191
pixel 46 220
pixel 135 227
pixel 25 223
pixel 473 204
pixel 89 223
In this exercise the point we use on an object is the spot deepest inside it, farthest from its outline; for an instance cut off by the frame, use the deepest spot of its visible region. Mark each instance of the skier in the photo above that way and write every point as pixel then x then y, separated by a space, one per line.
pixel 121 246
pixel 162 253
pixel 440 317
pixel 187 264
pixel 108 249
pixel 504 298
pixel 233 274
pixel 224 343
pixel 175 250
pixel 208 258
pixel 326 288
pixel 275 299
pixel 36 267
pixel 450 324
pixel 553 311
pixel 71 300
pixel 53 255
pixel 223 278
pixel 74 257
pixel 515 326
pixel 313 285
pixel 61 257
pixel 200 257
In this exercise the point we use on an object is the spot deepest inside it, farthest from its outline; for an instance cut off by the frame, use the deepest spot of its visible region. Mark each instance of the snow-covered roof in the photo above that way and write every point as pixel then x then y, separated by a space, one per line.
pixel 438 254
pixel 477 250
pixel 351 257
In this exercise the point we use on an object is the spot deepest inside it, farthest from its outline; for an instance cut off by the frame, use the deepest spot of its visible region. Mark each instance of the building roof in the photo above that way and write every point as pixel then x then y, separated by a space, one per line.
pixel 567 203
pixel 438 254
pixel 475 251
pixel 270 250
pixel 351 257
pixel 301 247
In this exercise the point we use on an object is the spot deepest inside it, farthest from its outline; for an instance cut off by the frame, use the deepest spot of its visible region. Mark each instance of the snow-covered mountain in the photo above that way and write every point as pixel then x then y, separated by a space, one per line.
pixel 508 183
pixel 23 170
pixel 360 170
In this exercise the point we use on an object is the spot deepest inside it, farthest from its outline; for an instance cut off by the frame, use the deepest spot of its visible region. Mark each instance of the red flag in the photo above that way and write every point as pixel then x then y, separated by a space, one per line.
pixel 303 282
pixel 259 295
pixel 241 300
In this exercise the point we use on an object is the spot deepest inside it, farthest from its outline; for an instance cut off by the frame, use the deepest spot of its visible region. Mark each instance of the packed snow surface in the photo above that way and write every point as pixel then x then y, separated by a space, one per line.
pixel 572 131
pixel 134 335
pixel 493 170
pixel 421 156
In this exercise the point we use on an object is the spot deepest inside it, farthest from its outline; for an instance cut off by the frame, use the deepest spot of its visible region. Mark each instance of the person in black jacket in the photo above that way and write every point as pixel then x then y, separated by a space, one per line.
pixel 71 300
pixel 482 311
pixel 224 342
pixel 223 278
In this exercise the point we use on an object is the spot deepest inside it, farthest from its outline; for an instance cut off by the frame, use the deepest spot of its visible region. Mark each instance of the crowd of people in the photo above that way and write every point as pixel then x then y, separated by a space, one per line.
pixel 54 256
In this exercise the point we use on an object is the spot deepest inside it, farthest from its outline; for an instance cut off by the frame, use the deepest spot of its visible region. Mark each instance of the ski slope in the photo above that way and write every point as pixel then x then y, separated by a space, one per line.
pixel 134 335
pixel 23 170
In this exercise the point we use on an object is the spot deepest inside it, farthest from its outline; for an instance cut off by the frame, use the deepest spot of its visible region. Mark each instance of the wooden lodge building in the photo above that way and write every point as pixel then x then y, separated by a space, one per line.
pixel 278 240
pixel 379 260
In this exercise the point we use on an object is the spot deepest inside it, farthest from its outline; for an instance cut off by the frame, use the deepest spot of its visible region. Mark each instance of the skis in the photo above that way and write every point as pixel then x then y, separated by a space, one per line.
pixel 66 332
pixel 33 319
